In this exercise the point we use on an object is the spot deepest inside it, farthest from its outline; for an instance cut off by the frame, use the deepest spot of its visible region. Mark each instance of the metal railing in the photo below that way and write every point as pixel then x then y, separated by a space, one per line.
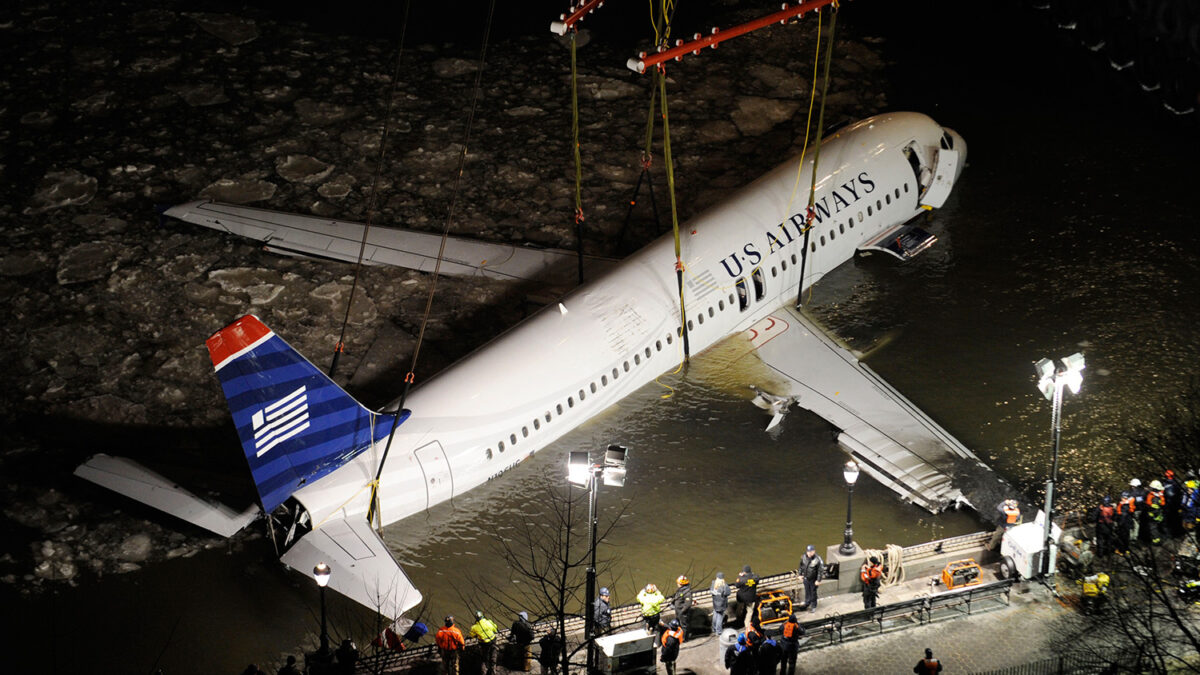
pixel 863 623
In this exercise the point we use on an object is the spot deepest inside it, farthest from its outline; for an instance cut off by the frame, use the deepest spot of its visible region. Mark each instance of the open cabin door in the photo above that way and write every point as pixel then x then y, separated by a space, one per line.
pixel 945 167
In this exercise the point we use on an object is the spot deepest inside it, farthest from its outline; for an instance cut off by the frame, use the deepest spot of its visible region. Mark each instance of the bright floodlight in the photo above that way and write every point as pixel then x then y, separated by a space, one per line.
pixel 850 472
pixel 1070 375
pixel 614 465
pixel 321 573
pixel 579 467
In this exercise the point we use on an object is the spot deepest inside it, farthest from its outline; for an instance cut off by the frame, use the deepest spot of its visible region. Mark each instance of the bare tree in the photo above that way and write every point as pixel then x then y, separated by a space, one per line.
pixel 1145 624
pixel 548 554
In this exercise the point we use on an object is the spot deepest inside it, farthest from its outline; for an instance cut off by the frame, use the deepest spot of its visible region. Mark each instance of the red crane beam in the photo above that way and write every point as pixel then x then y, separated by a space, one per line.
pixel 567 22
pixel 644 61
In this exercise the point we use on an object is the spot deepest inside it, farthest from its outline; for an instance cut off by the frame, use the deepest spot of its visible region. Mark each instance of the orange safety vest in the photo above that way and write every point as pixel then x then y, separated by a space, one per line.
pixel 870 572
pixel 931 665
pixel 1126 506
pixel 1011 515
pixel 677 634
pixel 791 630
pixel 1154 499
pixel 449 638
pixel 1106 514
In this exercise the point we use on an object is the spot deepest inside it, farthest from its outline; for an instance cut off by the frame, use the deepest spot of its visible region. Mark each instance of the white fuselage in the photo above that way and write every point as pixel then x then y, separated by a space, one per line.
pixel 570 361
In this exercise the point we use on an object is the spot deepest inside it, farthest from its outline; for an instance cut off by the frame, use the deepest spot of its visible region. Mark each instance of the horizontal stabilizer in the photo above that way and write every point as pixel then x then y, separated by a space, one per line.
pixel 136 481
pixel 904 242
pixel 362 567
pixel 332 239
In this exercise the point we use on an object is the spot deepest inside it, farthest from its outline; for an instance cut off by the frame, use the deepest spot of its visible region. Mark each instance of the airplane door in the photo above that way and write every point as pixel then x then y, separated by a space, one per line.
pixel 945 166
pixel 439 483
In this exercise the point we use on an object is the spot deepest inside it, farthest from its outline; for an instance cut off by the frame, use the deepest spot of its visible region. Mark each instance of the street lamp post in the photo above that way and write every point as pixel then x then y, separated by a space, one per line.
pixel 321 573
pixel 850 473
pixel 1051 380
pixel 581 471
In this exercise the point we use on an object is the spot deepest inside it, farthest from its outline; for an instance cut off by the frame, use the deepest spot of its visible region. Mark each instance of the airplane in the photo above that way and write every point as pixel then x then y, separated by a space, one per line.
pixel 314 451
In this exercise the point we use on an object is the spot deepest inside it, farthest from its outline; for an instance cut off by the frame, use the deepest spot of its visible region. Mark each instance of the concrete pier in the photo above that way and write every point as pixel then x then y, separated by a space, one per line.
pixel 983 627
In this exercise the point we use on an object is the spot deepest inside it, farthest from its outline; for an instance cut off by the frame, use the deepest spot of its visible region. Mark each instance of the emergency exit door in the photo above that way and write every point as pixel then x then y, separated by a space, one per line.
pixel 439 482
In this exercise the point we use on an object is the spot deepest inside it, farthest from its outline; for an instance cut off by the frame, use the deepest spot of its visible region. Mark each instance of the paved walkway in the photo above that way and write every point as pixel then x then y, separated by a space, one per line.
pixel 1011 636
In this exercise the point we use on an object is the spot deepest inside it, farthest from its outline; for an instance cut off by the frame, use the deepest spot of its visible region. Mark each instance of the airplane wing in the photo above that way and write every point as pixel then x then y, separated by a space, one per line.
pixel 890 438
pixel 331 239
pixel 136 481
pixel 363 568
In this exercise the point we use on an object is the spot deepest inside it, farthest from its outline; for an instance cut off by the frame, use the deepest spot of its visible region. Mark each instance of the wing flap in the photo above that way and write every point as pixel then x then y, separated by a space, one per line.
pixel 133 480
pixel 363 568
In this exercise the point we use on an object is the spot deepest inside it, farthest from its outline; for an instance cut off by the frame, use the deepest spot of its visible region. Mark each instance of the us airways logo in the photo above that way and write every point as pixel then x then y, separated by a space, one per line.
pixel 829 205
pixel 280 421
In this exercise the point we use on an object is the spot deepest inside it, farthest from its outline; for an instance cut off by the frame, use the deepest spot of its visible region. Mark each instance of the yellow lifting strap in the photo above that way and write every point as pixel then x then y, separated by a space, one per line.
pixel 810 213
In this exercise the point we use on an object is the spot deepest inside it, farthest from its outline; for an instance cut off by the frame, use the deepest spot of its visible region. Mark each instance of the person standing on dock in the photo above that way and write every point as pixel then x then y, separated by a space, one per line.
pixel 871 575
pixel 450 643
pixel 747 593
pixel 928 665
pixel 720 602
pixel 812 571
pixel 1010 517
pixel 1126 522
pixel 651 600
pixel 792 630
pixel 683 602
pixel 485 631
pixel 1105 519
pixel 552 646
pixel 602 612
pixel 671 639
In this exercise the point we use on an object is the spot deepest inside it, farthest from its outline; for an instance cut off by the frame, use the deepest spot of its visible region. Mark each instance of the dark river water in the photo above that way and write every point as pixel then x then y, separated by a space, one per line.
pixel 1070 231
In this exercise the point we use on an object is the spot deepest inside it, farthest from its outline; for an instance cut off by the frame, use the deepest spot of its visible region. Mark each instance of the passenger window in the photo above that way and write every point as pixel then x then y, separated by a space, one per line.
pixel 700 317
pixel 721 305
pixel 869 211
pixel 887 198
pixel 832 235
pixel 793 258
pixel 615 374
pixel 593 387
pixel 647 352
pixel 658 345
pixel 906 187
pixel 501 446
pixel 710 312
pixel 774 272
pixel 537 424
pixel 860 218
pixel 571 400
pixel 603 380
pixel 690 326
pixel 558 408
pixel 842 228
pixel 783 264
pixel 814 246
pixel 760 284
pixel 878 205
pixel 850 222
pixel 822 240
pixel 525 432
pixel 897 193
pixel 743 294
pixel 669 338
pixel 512 438
pixel 637 360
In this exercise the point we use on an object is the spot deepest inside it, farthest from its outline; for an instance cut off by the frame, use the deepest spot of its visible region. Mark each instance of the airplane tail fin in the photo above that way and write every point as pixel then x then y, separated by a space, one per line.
pixel 296 425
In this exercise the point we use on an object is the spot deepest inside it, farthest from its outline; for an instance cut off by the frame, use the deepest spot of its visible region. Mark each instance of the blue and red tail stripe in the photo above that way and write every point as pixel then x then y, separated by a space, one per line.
pixel 295 424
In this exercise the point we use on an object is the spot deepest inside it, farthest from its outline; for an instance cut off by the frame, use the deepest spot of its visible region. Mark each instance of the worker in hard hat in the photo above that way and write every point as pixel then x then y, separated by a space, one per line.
pixel 450 643
pixel 1190 506
pixel 671 639
pixel 1104 517
pixel 1139 530
pixel 1010 517
pixel 1126 522
pixel 485 631
pixel 651 600
pixel 871 575
pixel 1156 506
pixel 683 602
pixel 602 612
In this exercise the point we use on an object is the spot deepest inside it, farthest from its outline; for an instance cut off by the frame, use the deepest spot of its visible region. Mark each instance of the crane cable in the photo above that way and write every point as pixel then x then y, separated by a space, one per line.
pixel 810 213
pixel 578 160
pixel 373 514
pixel 373 194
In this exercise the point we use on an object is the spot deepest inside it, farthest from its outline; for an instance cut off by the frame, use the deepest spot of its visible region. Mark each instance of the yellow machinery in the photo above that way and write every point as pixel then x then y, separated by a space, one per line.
pixel 961 573
pixel 774 607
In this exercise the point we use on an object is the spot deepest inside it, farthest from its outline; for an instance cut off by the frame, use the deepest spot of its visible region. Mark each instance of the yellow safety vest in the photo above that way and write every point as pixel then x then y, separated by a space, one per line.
pixel 484 629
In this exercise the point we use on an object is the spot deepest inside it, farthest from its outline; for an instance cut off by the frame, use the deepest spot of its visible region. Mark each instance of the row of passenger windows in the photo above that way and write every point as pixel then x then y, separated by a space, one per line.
pixel 583 394
pixel 741 299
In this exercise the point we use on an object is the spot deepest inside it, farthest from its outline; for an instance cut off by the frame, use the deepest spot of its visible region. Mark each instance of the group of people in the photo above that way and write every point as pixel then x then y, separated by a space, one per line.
pixel 1148 514
pixel 451 643
pixel 756 654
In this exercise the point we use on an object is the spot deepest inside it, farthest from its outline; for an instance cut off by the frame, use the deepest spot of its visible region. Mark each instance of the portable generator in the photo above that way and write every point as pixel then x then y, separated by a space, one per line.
pixel 774 607
pixel 961 573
